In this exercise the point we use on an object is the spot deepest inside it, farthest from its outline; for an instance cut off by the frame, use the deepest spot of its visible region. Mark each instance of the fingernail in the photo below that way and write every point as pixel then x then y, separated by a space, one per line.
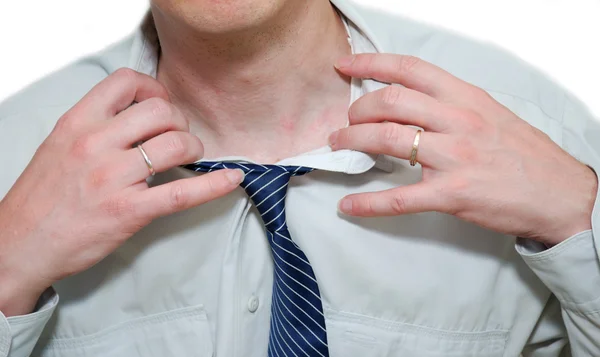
pixel 235 176
pixel 346 205
pixel 345 61
pixel 333 138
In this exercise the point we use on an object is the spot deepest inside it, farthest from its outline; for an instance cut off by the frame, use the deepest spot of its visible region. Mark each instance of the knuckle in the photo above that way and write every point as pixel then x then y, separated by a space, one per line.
pixel 398 204
pixel 212 186
pixel 160 108
pixel 367 62
pixel 473 121
pixel 407 64
pixel 176 146
pixel 365 206
pixel 463 151
pixel 178 199
pixel 118 207
pixel 481 93
pixel 83 146
pixel 391 96
pixel 390 134
pixel 98 178
pixel 67 122
pixel 125 74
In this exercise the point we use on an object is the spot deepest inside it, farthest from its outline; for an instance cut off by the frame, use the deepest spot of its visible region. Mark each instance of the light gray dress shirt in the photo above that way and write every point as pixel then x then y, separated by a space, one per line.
pixel 198 283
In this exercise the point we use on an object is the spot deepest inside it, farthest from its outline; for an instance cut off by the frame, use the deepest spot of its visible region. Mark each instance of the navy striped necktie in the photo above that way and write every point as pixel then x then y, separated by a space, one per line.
pixel 297 320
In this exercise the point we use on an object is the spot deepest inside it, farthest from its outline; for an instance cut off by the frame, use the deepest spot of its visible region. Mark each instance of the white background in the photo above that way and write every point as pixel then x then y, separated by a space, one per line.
pixel 561 37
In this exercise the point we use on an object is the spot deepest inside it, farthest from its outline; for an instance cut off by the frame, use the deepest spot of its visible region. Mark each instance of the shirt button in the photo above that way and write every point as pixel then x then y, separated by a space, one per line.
pixel 253 304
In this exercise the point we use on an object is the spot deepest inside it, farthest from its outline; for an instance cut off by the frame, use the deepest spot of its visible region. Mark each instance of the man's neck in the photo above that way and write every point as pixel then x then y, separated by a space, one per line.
pixel 274 85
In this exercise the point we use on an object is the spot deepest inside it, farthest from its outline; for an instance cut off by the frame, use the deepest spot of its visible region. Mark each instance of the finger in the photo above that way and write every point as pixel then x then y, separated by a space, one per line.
pixel 390 139
pixel 165 151
pixel 118 91
pixel 404 106
pixel 143 121
pixel 409 71
pixel 420 197
pixel 186 193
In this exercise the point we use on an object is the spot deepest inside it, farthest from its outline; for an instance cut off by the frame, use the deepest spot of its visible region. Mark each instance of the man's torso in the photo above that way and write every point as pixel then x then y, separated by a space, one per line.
pixel 199 282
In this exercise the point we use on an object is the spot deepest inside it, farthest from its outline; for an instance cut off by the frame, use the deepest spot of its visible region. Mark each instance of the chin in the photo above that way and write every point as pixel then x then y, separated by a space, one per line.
pixel 220 16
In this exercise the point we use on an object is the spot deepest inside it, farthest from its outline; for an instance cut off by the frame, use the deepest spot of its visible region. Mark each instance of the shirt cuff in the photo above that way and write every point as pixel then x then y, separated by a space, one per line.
pixel 19 334
pixel 571 270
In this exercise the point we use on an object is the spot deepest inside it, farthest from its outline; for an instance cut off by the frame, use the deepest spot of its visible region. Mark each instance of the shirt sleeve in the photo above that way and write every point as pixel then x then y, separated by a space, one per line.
pixel 549 337
pixel 571 269
pixel 19 334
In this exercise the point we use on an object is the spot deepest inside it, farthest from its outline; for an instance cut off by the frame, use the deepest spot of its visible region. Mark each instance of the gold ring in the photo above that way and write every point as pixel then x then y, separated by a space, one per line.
pixel 147 159
pixel 415 148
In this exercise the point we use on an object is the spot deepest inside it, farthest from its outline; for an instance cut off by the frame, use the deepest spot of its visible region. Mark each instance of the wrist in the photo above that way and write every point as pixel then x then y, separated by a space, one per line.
pixel 20 290
pixel 16 298
pixel 19 294
pixel 579 218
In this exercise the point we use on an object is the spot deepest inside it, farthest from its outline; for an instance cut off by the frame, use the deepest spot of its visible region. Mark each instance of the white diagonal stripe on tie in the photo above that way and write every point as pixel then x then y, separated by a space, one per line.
pixel 242 166
pixel 278 321
pixel 301 309
pixel 274 325
pixel 286 238
pixel 291 265
pixel 246 170
pixel 274 219
pixel 297 282
pixel 256 179
pixel 295 329
pixel 295 292
pixel 302 322
pixel 269 196
pixel 213 166
pixel 289 252
pixel 268 184
pixel 275 205
pixel 280 227
pixel 272 351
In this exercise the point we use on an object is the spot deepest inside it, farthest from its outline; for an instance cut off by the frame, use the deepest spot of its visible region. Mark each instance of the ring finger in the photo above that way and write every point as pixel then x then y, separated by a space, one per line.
pixel 389 139
pixel 165 151
pixel 403 106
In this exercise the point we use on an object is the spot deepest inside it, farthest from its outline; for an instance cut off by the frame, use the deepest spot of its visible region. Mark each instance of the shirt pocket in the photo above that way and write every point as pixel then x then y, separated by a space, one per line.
pixel 353 335
pixel 179 333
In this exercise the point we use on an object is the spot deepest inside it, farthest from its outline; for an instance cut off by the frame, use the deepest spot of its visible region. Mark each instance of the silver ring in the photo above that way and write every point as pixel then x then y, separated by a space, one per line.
pixel 147 159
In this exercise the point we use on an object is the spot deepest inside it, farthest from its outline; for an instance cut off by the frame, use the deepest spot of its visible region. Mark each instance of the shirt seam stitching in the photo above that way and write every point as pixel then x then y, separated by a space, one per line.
pixel 530 102
pixel 395 326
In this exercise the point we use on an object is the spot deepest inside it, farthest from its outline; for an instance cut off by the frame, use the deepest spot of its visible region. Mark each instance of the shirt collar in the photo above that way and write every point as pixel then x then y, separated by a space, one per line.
pixel 144 59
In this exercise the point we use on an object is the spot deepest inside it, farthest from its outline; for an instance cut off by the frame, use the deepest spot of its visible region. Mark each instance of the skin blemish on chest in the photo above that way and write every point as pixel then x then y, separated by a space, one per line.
pixel 288 125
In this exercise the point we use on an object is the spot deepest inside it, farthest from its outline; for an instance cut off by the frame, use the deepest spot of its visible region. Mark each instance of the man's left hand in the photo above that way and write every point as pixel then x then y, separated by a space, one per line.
pixel 480 162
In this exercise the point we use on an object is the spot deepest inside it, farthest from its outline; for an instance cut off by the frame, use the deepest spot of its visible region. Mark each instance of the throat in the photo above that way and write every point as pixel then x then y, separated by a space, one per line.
pixel 270 140
pixel 281 98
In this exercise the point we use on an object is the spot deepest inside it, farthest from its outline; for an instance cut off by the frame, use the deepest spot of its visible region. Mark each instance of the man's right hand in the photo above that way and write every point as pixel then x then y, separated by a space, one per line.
pixel 84 192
